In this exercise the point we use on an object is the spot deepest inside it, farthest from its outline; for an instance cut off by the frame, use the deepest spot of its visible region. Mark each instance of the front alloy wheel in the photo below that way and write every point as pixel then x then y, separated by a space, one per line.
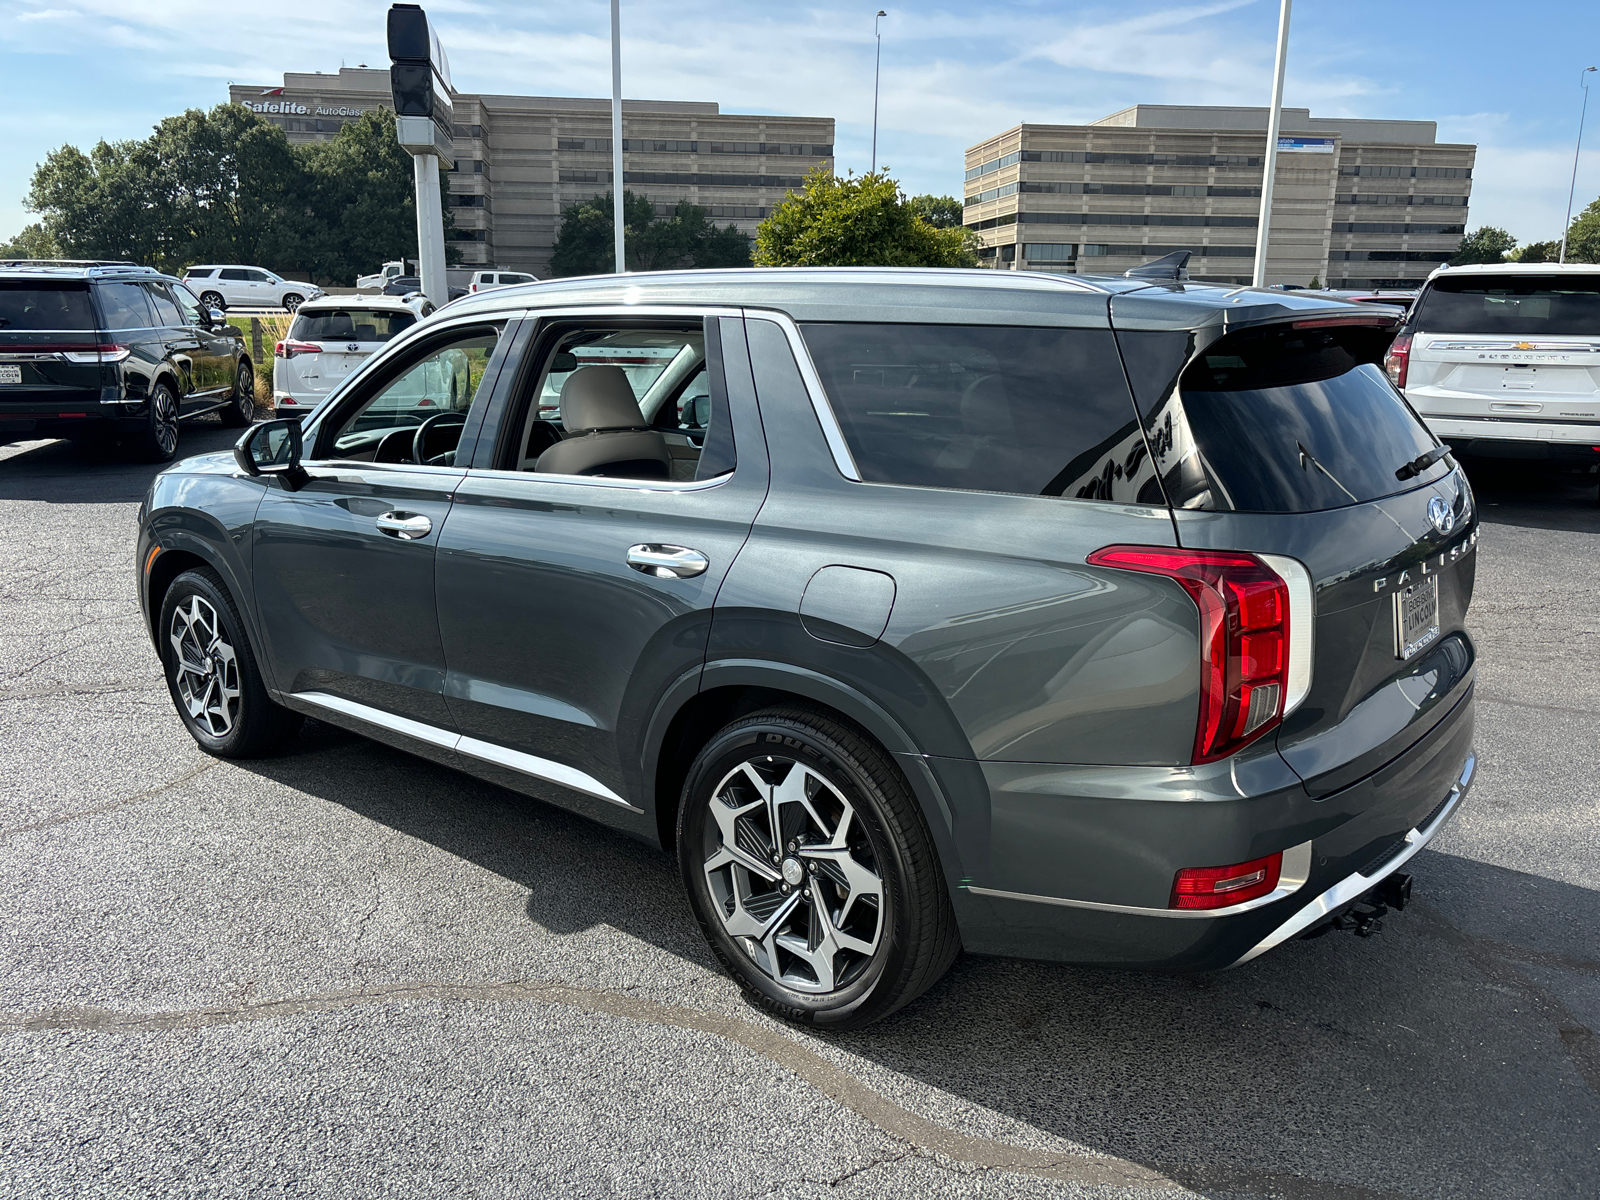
pixel 293 301
pixel 206 668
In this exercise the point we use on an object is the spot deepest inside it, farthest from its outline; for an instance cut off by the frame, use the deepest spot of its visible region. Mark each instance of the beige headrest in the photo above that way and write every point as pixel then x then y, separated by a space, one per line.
pixel 599 398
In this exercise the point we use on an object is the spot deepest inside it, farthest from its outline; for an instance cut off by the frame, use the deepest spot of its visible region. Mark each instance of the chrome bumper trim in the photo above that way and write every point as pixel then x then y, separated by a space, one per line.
pixel 1355 884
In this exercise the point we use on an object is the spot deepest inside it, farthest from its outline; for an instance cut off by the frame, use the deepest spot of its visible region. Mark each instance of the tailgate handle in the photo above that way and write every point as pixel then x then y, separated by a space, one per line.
pixel 409 526
pixel 667 562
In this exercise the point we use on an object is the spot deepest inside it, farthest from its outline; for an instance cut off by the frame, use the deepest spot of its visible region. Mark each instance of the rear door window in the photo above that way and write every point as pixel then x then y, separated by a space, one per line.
pixel 165 306
pixel 990 408
pixel 125 307
pixel 1287 420
pixel 349 325
pixel 42 306
pixel 1515 305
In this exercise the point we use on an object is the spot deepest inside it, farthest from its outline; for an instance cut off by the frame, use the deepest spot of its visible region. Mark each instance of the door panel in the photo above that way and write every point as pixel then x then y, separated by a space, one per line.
pixel 178 341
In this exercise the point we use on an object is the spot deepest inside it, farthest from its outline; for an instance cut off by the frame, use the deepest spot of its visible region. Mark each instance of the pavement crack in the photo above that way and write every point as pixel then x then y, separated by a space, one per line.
pixel 193 772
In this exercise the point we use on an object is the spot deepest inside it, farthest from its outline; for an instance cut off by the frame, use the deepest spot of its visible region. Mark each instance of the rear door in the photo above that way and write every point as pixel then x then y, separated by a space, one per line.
pixel 1508 348
pixel 181 346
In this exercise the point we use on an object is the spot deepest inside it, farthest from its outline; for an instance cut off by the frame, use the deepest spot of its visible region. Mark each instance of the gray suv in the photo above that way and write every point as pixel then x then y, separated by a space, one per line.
pixel 1112 621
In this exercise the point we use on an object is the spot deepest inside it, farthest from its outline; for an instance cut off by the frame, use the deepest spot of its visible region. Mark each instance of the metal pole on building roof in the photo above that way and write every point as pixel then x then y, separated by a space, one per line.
pixel 1270 165
pixel 618 230
pixel 1583 81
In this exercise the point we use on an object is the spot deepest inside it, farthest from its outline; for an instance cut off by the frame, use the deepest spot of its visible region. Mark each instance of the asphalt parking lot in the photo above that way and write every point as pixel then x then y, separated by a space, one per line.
pixel 344 971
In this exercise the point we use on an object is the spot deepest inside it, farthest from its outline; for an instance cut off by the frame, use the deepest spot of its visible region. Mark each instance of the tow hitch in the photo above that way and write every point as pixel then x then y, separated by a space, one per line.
pixel 1365 915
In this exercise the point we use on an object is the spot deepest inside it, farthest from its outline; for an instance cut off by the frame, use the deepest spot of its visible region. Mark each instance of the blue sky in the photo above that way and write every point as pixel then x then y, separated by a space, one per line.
pixel 1503 76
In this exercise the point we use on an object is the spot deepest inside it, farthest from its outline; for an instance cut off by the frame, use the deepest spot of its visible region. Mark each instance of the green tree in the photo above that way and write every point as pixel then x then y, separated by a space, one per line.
pixel 32 242
pixel 1583 236
pixel 1486 244
pixel 1538 252
pixel 685 238
pixel 1316 283
pixel 942 212
pixel 856 221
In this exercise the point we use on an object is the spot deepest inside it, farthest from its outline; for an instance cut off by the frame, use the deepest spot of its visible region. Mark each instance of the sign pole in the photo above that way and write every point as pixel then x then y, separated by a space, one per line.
pixel 430 229
pixel 1264 223
pixel 618 230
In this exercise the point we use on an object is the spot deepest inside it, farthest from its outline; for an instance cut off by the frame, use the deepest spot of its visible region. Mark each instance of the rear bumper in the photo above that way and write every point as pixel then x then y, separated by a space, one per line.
pixel 1085 877
pixel 22 422
pixel 1459 431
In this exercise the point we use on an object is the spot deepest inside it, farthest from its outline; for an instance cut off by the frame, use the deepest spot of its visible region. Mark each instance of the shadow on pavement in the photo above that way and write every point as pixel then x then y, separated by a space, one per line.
pixel 62 472
pixel 1534 494
pixel 1424 1061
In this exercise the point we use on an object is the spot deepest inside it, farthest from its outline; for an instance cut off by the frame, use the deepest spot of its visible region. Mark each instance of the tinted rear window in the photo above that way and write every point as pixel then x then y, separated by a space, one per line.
pixel 349 325
pixel 979 407
pixel 1511 304
pixel 1285 420
pixel 44 306
pixel 198 273
pixel 125 306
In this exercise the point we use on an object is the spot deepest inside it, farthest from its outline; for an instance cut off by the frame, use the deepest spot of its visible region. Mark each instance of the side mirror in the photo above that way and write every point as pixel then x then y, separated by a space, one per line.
pixel 218 317
pixel 273 448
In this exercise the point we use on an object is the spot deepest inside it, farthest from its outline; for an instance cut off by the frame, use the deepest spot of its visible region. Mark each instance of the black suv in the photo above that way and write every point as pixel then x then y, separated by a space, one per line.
pixel 1105 620
pixel 114 351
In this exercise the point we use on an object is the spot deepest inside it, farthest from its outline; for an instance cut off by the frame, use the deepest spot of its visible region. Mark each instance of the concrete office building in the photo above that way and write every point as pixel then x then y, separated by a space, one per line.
pixel 521 159
pixel 1356 203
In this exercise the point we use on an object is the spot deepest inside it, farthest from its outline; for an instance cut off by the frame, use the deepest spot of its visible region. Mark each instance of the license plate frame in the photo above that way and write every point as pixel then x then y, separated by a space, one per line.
pixel 1416 617
pixel 10 373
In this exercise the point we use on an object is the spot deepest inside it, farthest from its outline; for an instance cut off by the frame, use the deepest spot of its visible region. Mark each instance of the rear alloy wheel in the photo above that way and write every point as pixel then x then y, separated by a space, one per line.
pixel 293 300
pixel 212 673
pixel 159 441
pixel 811 870
pixel 210 300
pixel 241 409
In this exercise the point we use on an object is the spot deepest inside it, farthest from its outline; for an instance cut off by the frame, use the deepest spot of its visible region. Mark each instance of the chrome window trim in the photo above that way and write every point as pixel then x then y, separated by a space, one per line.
pixel 1356 883
pixel 1302 626
pixel 524 764
pixel 1296 870
pixel 357 466
pixel 637 485
pixel 820 404
pixel 613 308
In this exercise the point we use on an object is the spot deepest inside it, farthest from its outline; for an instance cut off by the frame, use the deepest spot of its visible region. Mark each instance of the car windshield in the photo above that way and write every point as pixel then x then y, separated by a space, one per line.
pixel 1518 305
pixel 44 307
pixel 349 325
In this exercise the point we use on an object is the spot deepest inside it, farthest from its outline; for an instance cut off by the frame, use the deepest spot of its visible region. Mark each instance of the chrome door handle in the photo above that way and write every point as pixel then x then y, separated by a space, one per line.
pixel 667 562
pixel 409 526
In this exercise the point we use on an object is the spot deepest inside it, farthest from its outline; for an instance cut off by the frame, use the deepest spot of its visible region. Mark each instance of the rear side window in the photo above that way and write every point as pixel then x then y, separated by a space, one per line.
pixel 516 279
pixel 978 407
pixel 165 307
pixel 124 306
pixel 349 325
pixel 1287 420
pixel 233 273
pixel 1519 305
pixel 198 273
pixel 44 306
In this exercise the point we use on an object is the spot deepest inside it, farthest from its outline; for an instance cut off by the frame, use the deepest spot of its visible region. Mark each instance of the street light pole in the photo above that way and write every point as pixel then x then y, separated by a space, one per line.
pixel 877 71
pixel 1264 224
pixel 618 230
pixel 1583 82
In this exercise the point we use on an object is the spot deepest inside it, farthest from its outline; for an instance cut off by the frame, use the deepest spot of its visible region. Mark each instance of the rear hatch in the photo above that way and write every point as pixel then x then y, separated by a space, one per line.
pixel 327 345
pixel 1503 347
pixel 1287 439
pixel 49 359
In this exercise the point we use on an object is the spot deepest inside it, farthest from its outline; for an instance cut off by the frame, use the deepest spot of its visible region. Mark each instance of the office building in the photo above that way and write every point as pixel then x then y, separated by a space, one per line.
pixel 1356 203
pixel 521 159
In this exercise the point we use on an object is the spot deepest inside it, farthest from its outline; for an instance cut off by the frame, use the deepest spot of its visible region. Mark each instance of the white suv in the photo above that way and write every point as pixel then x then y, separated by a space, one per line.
pixel 329 339
pixel 482 281
pixel 1503 360
pixel 248 287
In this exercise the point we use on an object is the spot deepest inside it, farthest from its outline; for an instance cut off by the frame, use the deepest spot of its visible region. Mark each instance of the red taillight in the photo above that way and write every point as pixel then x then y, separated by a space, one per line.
pixel 105 352
pixel 1244 638
pixel 290 349
pixel 1396 362
pixel 1220 887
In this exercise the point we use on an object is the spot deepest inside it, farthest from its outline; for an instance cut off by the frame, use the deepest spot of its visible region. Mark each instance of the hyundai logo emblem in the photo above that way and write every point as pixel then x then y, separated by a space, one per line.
pixel 1439 513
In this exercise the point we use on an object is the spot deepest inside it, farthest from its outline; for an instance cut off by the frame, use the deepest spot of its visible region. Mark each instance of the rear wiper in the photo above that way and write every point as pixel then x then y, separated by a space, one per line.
pixel 1421 463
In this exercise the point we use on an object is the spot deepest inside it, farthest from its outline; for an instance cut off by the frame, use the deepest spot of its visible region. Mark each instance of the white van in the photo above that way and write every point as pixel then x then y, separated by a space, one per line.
pixel 1503 359
pixel 482 281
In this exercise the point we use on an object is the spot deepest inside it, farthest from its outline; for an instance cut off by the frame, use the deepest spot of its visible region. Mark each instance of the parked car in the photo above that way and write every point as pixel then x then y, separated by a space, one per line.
pixel 482 281
pixel 329 339
pixel 248 287
pixel 1503 360
pixel 375 282
pixel 114 351
pixel 1098 620
pixel 409 285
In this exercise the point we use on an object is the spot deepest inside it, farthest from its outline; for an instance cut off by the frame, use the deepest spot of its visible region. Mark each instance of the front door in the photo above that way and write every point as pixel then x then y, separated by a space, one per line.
pixel 181 346
pixel 568 603
pixel 214 352
pixel 344 566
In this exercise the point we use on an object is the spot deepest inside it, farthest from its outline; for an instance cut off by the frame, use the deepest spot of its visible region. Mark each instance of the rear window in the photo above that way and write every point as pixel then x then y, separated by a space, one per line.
pixel 45 307
pixel 349 325
pixel 198 272
pixel 978 407
pixel 1519 305
pixel 1286 420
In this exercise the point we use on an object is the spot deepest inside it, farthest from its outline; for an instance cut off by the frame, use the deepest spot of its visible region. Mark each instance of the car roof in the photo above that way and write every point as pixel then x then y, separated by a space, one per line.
pixel 1520 269
pixel 229 266
pixel 917 294
pixel 66 268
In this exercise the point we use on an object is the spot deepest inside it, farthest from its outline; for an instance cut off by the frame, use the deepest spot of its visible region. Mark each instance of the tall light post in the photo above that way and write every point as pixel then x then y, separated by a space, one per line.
pixel 1583 82
pixel 877 71
pixel 1264 224
pixel 618 230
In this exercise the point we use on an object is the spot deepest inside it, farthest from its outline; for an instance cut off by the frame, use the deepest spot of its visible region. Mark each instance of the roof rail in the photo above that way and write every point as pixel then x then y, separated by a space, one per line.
pixel 70 263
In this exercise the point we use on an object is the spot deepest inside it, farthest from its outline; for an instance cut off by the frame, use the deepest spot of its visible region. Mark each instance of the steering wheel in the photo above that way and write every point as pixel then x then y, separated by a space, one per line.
pixel 393 447
pixel 419 441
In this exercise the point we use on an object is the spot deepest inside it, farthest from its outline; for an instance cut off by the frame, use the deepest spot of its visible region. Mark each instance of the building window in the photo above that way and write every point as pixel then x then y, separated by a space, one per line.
pixel 1433 256
pixel 1403 228
pixel 583 176
pixel 468 166
pixel 996 164
pixel 994 222
pixel 583 143
pixel 469 235
pixel 468 200
pixel 1050 251
pixel 464 131
pixel 1009 189
pixel 1385 199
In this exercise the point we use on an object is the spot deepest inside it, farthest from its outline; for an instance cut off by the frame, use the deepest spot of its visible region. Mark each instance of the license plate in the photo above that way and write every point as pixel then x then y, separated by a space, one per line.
pixel 1416 616
pixel 10 374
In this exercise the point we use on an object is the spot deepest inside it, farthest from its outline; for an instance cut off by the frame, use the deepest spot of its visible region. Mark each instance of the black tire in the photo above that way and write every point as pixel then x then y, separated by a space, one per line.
pixel 241 409
pixel 210 300
pixel 158 442
pixel 913 928
pixel 221 661
pixel 293 300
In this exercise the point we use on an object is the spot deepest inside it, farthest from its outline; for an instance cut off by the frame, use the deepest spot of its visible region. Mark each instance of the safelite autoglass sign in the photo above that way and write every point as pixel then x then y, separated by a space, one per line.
pixel 1305 145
